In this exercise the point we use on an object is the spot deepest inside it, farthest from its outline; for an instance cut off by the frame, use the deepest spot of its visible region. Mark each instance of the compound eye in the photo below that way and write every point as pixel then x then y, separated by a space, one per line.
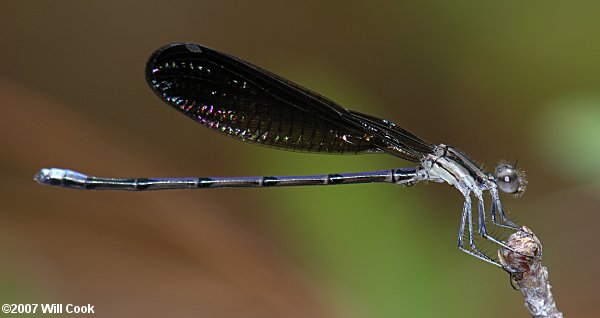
pixel 508 179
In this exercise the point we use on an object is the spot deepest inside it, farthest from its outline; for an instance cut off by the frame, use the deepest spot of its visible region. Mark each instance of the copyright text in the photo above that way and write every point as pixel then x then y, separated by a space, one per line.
pixel 47 309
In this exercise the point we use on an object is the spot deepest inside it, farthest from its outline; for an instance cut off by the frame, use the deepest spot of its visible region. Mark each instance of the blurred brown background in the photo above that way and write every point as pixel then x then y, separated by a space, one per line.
pixel 500 81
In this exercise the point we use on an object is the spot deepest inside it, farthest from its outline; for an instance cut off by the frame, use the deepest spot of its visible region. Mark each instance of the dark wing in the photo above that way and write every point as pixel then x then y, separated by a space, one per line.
pixel 244 101
pixel 391 138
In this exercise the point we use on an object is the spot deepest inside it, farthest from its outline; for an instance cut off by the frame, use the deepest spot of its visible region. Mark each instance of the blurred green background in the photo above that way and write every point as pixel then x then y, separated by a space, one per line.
pixel 499 80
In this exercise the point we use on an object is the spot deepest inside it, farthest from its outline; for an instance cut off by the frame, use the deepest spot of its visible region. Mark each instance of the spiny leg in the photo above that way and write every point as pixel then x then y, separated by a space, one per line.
pixel 481 218
pixel 482 227
pixel 495 222
pixel 496 204
pixel 474 248
pixel 483 232
pixel 466 213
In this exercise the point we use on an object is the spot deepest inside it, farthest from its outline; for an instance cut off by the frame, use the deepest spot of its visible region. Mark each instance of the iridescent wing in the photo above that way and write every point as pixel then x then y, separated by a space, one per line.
pixel 244 101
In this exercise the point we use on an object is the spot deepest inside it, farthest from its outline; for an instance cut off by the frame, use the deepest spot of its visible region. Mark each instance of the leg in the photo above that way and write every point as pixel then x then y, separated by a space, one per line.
pixel 482 227
pixel 497 204
pixel 466 214
pixel 483 230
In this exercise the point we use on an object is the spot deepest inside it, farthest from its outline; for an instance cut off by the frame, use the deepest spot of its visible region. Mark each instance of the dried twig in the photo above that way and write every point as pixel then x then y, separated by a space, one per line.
pixel 530 276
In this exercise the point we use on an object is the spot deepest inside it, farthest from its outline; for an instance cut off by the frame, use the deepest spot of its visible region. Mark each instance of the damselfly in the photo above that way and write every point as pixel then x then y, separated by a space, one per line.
pixel 243 101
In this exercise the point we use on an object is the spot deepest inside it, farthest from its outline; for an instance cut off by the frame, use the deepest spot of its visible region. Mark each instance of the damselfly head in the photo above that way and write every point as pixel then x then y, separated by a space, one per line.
pixel 510 180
